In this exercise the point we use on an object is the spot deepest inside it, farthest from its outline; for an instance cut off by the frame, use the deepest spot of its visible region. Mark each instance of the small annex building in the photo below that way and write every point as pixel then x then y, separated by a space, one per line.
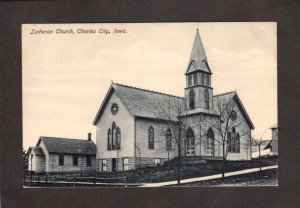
pixel 62 155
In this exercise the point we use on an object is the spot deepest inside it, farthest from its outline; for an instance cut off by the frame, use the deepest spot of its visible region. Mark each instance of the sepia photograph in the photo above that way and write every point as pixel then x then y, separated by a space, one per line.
pixel 190 104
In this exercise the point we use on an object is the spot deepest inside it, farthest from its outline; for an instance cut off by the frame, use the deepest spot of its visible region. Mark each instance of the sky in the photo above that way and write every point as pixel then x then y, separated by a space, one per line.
pixel 65 77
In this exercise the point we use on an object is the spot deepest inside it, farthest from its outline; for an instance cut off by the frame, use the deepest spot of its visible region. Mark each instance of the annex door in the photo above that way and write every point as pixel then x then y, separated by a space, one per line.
pixel 190 143
pixel 114 165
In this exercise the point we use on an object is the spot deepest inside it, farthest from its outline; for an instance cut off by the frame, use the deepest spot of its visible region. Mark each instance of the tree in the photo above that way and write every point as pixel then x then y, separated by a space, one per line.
pixel 225 123
pixel 258 142
pixel 171 113
pixel 25 159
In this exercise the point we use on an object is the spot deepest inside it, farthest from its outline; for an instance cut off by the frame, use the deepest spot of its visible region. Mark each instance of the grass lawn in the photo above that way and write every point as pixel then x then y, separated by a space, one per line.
pixel 264 178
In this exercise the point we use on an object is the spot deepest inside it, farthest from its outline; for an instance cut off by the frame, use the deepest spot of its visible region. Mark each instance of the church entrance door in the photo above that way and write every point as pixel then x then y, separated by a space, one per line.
pixel 190 143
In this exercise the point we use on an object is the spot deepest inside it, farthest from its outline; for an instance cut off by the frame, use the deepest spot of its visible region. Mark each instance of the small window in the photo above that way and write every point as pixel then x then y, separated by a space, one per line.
pixel 75 160
pixel 118 138
pixel 157 161
pixel 202 78
pixel 190 80
pixel 88 160
pixel 151 138
pixel 109 139
pixel 125 164
pixel 237 143
pixel 61 160
pixel 169 140
pixel 196 79
pixel 103 165
pixel 192 99
pixel 206 99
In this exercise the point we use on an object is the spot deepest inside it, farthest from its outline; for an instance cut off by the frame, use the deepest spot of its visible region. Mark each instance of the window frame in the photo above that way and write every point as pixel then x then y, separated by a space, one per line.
pixel 75 160
pixel 192 99
pixel 104 165
pixel 151 138
pixel 88 160
pixel 61 160
pixel 125 165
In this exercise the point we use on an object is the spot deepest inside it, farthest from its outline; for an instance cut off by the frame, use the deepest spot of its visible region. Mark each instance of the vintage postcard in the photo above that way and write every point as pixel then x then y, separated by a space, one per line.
pixel 150 104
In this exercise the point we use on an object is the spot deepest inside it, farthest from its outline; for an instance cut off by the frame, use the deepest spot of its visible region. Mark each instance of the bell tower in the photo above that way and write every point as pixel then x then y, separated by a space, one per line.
pixel 198 91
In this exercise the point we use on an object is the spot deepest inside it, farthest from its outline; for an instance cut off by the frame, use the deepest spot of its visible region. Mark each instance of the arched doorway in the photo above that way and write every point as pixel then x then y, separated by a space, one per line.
pixel 190 143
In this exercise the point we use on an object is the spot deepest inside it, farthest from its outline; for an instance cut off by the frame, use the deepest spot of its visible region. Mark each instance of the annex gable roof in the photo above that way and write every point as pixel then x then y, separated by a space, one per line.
pixel 36 150
pixel 68 146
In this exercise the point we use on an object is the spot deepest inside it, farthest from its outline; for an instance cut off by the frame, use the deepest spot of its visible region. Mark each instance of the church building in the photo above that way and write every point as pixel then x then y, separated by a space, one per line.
pixel 131 132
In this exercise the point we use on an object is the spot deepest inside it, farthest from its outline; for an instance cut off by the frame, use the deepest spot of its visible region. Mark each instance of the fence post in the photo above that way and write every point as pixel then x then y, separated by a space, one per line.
pixel 74 181
pixel 94 180
pixel 38 180
pixel 55 180
pixel 125 181
pixel 46 180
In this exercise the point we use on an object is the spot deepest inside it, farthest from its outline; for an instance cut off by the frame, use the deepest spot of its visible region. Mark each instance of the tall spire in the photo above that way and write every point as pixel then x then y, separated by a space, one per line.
pixel 198 58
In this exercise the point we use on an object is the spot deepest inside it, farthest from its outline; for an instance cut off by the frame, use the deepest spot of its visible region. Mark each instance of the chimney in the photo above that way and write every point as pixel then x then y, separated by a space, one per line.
pixel 89 136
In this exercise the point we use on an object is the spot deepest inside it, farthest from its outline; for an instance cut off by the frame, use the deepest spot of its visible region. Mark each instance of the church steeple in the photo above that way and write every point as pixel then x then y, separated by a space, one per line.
pixel 198 89
pixel 198 59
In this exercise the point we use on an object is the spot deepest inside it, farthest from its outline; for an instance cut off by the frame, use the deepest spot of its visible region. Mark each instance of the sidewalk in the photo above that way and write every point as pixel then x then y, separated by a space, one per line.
pixel 205 178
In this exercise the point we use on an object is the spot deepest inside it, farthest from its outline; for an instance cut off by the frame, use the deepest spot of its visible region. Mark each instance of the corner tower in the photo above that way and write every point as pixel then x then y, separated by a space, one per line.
pixel 198 91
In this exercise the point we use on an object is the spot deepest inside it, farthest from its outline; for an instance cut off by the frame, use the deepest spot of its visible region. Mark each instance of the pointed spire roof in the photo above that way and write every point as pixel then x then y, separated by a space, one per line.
pixel 198 60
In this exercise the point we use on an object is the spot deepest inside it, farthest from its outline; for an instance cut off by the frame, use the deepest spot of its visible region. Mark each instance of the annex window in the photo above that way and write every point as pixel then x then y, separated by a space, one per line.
pixel 169 140
pixel 206 99
pixel 125 164
pixel 88 160
pixel 192 99
pixel 75 160
pixel 118 138
pixel 210 142
pixel 104 165
pixel 109 139
pixel 195 78
pixel 151 138
pixel 157 161
pixel 190 79
pixel 61 160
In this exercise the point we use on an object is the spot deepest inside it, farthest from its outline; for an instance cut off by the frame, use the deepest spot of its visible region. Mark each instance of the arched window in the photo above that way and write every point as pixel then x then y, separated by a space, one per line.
pixel 192 99
pixel 229 142
pixel 151 138
pixel 210 142
pixel 109 139
pixel 237 142
pixel 206 99
pixel 118 138
pixel 233 140
pixel 168 139
pixel 190 142
pixel 114 136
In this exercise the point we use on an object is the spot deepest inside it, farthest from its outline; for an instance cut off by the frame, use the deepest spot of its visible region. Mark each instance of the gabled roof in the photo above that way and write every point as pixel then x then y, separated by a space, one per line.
pixel 143 103
pixel 139 102
pixel 68 146
pixel 36 150
pixel 198 59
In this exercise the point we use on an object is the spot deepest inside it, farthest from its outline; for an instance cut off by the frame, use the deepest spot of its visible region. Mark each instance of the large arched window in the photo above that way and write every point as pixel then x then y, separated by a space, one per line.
pixel 237 143
pixel 169 139
pixel 151 138
pixel 192 99
pixel 114 136
pixel 233 140
pixel 229 142
pixel 190 142
pixel 109 139
pixel 210 142
pixel 206 99
pixel 118 138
